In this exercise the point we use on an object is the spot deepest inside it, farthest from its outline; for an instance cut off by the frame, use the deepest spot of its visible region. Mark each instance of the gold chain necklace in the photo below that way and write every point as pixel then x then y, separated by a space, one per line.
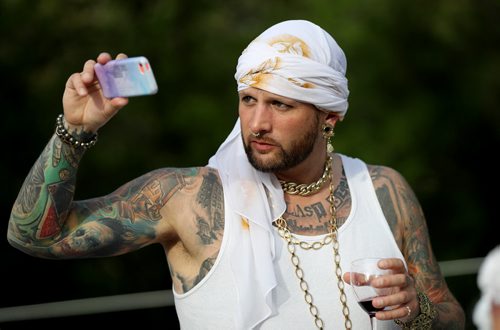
pixel 332 236
pixel 304 189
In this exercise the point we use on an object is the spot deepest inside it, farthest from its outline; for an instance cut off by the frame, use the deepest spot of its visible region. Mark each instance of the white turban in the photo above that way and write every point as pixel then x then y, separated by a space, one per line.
pixel 299 60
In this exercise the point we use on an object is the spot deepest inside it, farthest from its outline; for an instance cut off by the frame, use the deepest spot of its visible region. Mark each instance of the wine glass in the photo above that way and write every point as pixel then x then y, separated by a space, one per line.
pixel 363 271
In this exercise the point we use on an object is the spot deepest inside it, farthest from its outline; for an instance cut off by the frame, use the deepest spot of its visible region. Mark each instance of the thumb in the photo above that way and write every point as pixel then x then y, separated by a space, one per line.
pixel 118 102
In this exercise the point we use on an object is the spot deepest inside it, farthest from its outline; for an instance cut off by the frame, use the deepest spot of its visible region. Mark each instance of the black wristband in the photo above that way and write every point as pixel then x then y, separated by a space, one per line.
pixel 69 139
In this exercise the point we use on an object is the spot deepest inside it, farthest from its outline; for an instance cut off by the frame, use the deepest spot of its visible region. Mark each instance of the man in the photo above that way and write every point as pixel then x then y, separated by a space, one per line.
pixel 274 219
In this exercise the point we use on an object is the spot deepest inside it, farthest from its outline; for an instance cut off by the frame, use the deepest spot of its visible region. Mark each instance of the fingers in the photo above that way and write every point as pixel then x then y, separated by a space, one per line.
pixel 399 297
pixel 401 280
pixel 121 56
pixel 118 102
pixel 76 82
pixel 395 299
pixel 403 312
pixel 104 57
pixel 88 72
pixel 402 301
pixel 81 81
pixel 403 304
pixel 86 81
pixel 347 277
pixel 396 264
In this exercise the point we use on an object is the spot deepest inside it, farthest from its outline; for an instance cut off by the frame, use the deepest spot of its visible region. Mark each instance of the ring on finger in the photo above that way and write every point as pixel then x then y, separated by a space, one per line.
pixel 409 310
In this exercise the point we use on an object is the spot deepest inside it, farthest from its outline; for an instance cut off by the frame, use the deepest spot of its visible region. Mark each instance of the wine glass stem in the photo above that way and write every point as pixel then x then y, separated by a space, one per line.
pixel 373 323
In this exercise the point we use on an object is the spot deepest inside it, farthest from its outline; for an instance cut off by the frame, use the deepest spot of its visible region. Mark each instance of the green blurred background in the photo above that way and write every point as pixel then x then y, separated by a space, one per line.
pixel 424 78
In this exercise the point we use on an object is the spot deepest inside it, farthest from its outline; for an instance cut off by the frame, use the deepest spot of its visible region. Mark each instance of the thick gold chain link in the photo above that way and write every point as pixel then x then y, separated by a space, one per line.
pixel 332 236
pixel 304 189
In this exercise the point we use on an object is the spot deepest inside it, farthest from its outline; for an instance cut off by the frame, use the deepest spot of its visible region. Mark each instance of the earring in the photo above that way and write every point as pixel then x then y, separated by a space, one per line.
pixel 328 134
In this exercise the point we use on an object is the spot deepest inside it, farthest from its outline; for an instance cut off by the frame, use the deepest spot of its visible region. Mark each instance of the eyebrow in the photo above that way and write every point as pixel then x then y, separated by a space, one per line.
pixel 270 97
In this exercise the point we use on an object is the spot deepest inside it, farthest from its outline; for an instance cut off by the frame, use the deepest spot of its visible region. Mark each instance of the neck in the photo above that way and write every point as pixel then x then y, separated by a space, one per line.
pixel 308 171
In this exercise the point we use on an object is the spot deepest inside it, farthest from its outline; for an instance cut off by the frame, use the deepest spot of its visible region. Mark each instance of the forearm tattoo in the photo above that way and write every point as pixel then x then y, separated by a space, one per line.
pixel 46 195
pixel 407 221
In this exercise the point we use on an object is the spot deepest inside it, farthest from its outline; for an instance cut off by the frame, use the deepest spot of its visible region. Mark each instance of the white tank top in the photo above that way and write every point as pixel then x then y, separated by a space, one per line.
pixel 211 304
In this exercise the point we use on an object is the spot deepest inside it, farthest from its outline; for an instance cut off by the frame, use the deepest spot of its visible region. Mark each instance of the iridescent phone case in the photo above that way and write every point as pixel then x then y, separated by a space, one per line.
pixel 126 77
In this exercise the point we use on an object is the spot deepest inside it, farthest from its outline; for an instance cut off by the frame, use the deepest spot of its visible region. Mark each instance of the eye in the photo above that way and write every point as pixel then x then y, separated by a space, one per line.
pixel 246 99
pixel 280 105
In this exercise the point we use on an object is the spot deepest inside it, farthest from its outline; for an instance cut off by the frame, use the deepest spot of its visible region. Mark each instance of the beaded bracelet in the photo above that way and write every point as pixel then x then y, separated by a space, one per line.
pixel 69 139
pixel 424 320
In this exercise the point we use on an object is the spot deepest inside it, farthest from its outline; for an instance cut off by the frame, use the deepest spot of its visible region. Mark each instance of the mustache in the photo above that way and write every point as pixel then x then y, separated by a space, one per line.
pixel 262 139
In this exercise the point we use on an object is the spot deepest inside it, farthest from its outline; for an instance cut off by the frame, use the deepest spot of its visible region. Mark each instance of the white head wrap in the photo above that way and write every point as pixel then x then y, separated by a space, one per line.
pixel 299 60
pixel 295 59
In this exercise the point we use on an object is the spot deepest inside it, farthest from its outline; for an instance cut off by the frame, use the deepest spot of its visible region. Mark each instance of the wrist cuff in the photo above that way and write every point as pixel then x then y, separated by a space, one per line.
pixel 423 320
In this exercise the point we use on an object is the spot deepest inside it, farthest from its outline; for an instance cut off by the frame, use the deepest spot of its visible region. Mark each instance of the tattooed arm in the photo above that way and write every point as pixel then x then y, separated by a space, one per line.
pixel 406 219
pixel 180 208
pixel 45 222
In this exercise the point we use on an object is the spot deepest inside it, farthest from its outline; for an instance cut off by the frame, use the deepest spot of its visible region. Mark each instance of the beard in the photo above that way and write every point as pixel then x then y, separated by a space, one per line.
pixel 285 159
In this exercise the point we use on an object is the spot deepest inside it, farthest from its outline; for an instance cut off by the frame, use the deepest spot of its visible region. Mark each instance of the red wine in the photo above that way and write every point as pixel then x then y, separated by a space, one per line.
pixel 368 307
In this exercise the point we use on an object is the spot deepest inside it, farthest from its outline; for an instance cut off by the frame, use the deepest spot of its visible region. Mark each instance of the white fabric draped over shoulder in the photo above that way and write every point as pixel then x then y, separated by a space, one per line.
pixel 299 60
pixel 256 197
pixel 295 59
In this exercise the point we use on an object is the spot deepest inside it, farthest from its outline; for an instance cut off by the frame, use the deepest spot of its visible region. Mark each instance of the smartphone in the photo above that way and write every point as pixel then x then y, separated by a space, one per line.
pixel 126 77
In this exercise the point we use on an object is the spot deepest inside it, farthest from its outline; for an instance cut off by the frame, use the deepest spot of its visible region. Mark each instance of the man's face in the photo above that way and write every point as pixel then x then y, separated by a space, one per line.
pixel 289 130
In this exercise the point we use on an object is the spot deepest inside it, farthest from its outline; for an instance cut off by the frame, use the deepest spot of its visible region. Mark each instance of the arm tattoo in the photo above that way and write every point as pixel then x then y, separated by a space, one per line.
pixel 210 197
pixel 385 190
pixel 46 194
pixel 123 221
pixel 186 282
pixel 46 222
pixel 407 221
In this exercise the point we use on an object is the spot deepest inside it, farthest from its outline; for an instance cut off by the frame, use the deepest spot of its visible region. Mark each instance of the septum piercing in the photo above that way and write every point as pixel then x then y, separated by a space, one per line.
pixel 255 134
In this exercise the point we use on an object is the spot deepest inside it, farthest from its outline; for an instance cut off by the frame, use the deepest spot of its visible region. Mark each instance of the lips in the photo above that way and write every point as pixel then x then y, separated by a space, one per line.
pixel 262 146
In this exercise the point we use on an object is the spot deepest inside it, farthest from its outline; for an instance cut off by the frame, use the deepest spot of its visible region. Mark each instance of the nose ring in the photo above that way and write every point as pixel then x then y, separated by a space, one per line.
pixel 255 134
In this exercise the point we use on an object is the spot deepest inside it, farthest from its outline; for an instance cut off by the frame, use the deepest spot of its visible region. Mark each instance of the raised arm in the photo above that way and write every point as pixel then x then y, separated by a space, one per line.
pixel 46 222
pixel 407 221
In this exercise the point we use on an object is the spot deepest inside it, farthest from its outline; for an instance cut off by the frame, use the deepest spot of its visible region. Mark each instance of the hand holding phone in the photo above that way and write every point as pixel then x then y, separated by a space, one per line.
pixel 126 77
